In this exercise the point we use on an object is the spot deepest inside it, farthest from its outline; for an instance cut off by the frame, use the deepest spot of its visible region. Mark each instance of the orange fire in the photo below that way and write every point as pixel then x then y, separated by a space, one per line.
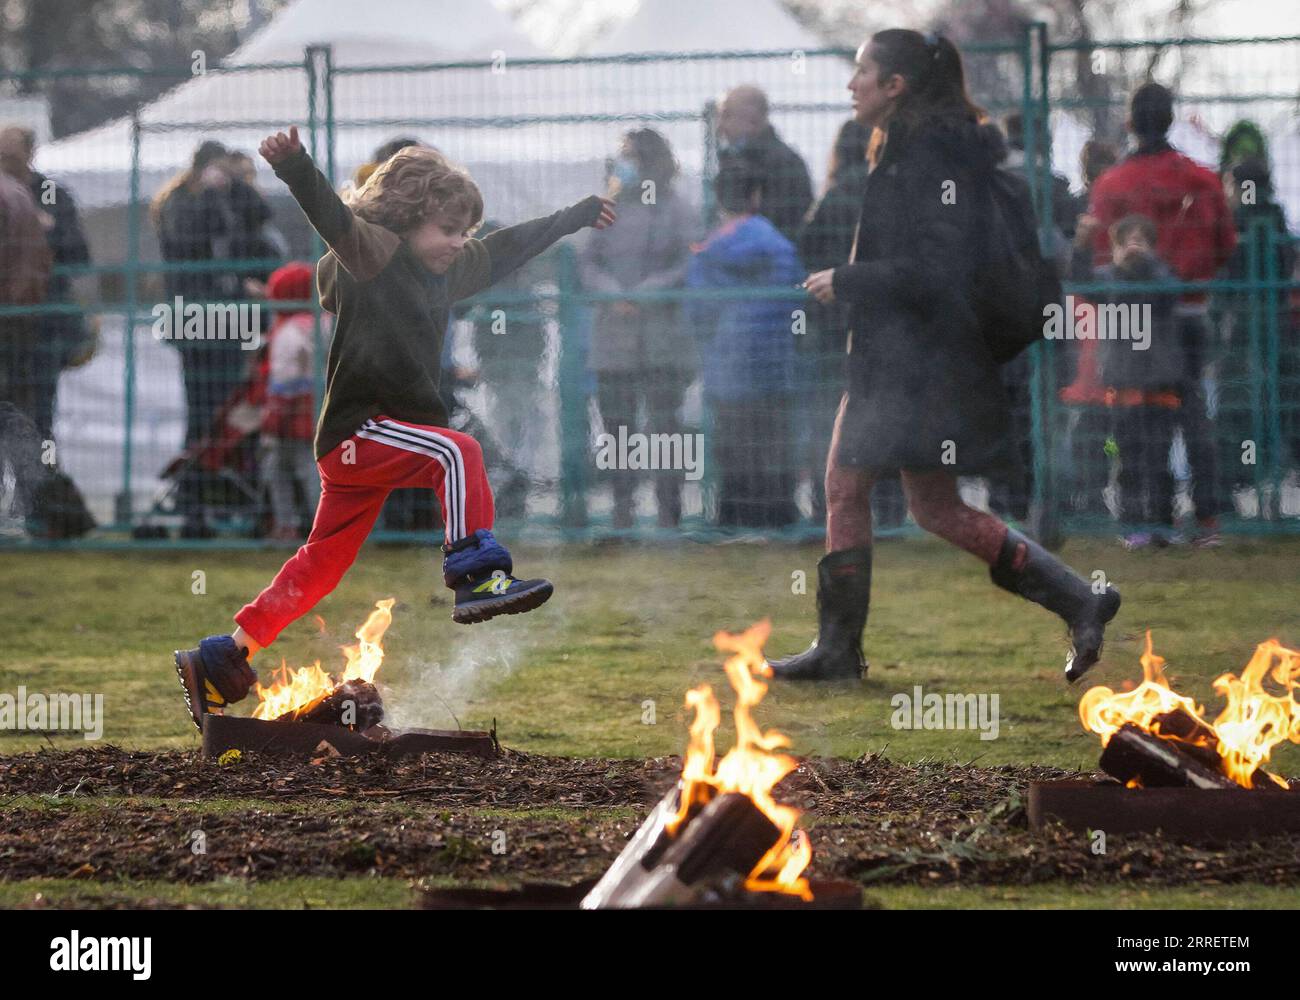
pixel 291 690
pixel 1254 721
pixel 751 767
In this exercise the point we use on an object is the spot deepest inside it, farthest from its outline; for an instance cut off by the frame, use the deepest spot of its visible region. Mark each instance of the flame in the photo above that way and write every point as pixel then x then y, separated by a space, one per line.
pixel 1253 722
pixel 751 767
pixel 1104 711
pixel 291 690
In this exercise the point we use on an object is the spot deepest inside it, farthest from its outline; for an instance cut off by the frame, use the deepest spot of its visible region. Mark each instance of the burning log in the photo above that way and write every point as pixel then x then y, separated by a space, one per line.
pixel 354 704
pixel 828 894
pixel 719 838
pixel 1132 754
pixel 1236 744
pixel 311 694
pixel 1185 774
pixel 1192 736
pixel 722 843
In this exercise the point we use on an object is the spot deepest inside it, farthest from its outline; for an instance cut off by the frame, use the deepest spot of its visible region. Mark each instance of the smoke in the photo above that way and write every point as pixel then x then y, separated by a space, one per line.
pixel 439 694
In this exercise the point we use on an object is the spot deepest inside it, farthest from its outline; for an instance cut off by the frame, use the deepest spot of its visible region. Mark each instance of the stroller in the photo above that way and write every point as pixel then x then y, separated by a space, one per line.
pixel 220 469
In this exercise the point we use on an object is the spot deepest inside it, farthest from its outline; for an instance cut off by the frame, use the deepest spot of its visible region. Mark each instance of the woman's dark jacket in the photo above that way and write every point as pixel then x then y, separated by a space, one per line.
pixel 826 240
pixel 924 391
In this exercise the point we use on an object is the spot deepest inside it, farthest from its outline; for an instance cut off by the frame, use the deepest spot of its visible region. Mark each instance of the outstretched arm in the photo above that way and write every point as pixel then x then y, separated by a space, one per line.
pixel 484 262
pixel 362 247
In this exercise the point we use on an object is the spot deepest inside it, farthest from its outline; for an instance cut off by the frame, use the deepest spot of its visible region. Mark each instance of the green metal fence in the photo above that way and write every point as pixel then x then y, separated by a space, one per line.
pixel 536 134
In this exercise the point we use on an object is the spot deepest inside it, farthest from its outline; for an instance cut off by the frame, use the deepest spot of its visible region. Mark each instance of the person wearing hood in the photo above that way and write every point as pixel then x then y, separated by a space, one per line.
pixel 748 349
pixel 924 393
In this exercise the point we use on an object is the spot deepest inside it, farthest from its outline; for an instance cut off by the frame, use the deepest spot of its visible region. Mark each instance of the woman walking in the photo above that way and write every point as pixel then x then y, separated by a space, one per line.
pixel 924 394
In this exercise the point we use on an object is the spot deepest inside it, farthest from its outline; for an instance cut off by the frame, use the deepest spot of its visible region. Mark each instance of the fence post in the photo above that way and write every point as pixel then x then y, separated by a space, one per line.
pixel 573 397
pixel 1258 362
pixel 122 513
pixel 316 64
pixel 1043 513
pixel 1274 302
pixel 1049 511
pixel 329 113
pixel 709 119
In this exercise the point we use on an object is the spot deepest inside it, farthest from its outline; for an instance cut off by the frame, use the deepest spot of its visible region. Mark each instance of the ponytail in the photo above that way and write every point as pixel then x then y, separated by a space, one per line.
pixel 932 67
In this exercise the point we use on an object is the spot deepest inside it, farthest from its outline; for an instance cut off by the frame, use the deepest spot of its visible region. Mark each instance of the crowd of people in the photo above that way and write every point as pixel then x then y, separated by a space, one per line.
pixel 771 367
pixel 1146 215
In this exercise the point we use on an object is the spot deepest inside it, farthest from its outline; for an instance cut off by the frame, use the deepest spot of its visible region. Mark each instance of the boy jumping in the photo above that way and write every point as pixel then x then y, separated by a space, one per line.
pixel 397 260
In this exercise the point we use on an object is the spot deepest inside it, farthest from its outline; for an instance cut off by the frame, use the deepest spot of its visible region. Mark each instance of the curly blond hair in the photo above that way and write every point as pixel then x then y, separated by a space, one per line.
pixel 413 185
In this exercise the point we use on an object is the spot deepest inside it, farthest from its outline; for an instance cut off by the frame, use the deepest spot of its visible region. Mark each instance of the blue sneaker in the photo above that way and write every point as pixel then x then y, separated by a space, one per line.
pixel 212 676
pixel 499 594
pixel 479 569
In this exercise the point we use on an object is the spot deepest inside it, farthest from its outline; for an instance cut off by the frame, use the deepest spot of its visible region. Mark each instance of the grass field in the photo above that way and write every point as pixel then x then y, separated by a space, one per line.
pixel 600 671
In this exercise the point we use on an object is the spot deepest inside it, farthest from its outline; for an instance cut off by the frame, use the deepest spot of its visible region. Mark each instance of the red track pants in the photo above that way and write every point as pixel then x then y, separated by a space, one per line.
pixel 356 478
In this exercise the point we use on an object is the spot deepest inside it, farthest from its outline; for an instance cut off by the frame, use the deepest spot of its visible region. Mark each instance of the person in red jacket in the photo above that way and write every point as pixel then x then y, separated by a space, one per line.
pixel 1195 236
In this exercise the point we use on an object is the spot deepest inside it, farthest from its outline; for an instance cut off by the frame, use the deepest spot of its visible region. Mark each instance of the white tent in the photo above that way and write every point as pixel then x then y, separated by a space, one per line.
pixel 238 106
pixel 692 26
pixel 535 136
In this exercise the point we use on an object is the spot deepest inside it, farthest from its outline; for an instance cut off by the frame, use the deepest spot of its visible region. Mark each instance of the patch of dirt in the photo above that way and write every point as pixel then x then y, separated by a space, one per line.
pixel 869 819
pixel 512 780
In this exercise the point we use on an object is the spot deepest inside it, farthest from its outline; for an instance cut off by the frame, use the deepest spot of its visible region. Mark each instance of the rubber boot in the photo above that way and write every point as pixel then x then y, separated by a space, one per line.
pixel 1024 567
pixel 843 597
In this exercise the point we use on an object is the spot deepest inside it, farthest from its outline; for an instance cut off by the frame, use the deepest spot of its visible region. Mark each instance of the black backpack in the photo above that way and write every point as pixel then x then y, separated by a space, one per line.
pixel 58 509
pixel 1014 283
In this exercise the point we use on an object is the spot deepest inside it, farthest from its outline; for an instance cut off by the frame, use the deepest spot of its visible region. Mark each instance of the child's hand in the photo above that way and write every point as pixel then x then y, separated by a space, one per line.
pixel 607 214
pixel 279 147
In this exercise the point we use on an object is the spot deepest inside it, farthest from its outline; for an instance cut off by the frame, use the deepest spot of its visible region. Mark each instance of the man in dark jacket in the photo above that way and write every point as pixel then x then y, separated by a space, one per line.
pixel 60 337
pixel 743 125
